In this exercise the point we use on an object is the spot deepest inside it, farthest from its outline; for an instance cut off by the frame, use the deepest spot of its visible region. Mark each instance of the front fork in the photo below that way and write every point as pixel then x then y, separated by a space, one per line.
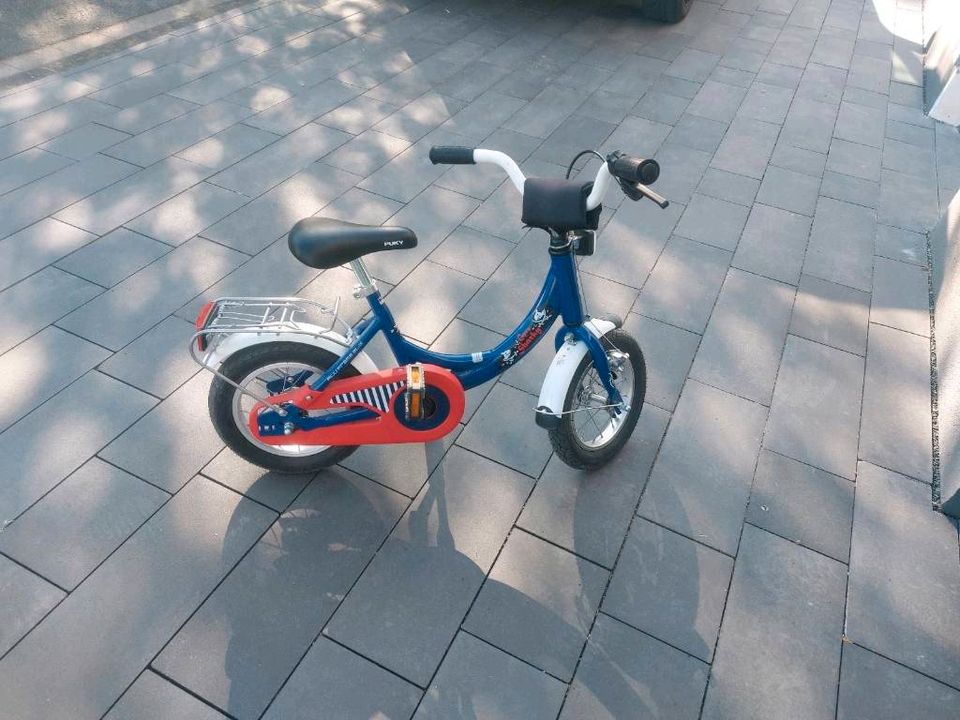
pixel 599 356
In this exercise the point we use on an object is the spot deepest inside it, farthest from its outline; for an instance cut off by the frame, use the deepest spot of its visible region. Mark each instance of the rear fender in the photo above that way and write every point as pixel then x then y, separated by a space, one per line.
pixel 328 340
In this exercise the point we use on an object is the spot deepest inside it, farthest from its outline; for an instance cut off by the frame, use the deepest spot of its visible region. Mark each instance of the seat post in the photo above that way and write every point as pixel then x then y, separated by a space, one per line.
pixel 367 285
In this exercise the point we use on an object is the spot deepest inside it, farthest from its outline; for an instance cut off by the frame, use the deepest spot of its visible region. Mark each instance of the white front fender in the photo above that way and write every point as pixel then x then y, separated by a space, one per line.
pixel 553 392
pixel 328 340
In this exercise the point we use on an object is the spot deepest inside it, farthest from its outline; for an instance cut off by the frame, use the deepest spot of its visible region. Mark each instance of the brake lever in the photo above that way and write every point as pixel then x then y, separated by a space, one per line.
pixel 635 191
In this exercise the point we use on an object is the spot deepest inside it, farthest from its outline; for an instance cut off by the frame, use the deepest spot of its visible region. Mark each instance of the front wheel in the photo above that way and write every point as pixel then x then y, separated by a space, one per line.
pixel 590 432
pixel 264 370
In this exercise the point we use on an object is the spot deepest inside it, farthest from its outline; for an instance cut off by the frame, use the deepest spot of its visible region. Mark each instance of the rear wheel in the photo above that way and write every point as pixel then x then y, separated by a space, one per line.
pixel 264 370
pixel 590 433
pixel 668 11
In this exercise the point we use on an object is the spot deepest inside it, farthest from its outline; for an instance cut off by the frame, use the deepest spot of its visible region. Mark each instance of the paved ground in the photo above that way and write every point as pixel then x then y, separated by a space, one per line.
pixel 30 24
pixel 763 548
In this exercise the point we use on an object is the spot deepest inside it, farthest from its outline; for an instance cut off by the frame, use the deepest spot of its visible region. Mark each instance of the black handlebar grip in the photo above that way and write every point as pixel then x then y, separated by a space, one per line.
pixel 634 169
pixel 451 155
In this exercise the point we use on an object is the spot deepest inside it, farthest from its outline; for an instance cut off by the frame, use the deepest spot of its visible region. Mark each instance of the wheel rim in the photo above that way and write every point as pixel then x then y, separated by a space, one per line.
pixel 595 424
pixel 256 383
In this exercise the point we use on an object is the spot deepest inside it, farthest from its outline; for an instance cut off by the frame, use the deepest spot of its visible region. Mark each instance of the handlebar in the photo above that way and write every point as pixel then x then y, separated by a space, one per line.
pixel 633 174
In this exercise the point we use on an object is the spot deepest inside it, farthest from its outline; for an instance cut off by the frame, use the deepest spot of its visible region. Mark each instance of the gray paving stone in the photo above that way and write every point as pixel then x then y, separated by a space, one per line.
pixel 904 579
pixel 113 206
pixel 822 83
pixel 113 257
pixel 259 223
pixel 571 136
pixel 637 136
pixel 697 488
pixel 544 113
pixel 358 114
pixel 773 243
pixel 635 76
pixel 478 678
pixel 302 108
pixel 814 416
pixel 789 190
pixel 164 140
pixel 717 101
pixel 46 363
pixel 157 361
pixel 275 163
pixel 37 98
pixel 793 46
pixel 850 189
pixel 588 513
pixel 34 247
pixel 80 522
pixel 430 297
pixel 275 490
pixel 809 125
pixel 499 215
pixel 799 160
pixel 910 159
pixel 248 636
pixel 661 107
pixel 180 554
pixel 228 146
pixel 360 206
pixel 187 214
pixel 900 296
pixel 772 629
pixel 27 133
pixel 741 347
pixel 831 314
pixel 18 170
pixel 143 87
pixel 503 430
pixel 693 65
pixel 906 201
pixel 698 132
pixel 473 80
pixel 746 148
pixel 768 103
pixel 151 697
pixel 898 244
pixel 849 262
pixel 803 504
pixel 624 673
pixel 861 124
pixel 412 597
pixel 406 176
pixel 873 687
pixel 367 152
pixel 729 186
pixel 668 352
pixel 172 442
pixel 34 303
pixel 712 221
pixel 895 430
pixel 538 604
pixel 698 269
pixel 418 117
pixel 132 307
pixel 670 587
pixel 850 158
pixel 472 252
pixel 33 202
pixel 432 216
pixel 773 73
pixel 329 675
pixel 147 114
pixel 26 599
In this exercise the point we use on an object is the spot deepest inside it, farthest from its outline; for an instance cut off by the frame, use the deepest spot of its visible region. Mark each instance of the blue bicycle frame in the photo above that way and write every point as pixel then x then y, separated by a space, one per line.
pixel 559 297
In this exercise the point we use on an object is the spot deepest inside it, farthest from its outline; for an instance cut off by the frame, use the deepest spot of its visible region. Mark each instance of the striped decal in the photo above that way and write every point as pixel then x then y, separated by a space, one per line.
pixel 377 396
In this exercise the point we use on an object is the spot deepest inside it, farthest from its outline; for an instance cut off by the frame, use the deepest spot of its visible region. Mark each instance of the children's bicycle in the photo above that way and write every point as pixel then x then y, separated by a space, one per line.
pixel 295 392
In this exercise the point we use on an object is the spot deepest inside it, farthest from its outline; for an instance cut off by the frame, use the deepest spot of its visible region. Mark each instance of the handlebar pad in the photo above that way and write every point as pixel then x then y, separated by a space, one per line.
pixel 451 155
pixel 633 169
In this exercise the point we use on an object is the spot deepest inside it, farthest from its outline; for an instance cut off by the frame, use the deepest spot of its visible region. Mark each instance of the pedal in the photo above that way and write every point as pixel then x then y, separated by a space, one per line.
pixel 415 392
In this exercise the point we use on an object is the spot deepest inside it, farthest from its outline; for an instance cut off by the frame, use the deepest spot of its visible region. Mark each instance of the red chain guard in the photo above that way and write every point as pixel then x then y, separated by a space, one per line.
pixel 386 390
